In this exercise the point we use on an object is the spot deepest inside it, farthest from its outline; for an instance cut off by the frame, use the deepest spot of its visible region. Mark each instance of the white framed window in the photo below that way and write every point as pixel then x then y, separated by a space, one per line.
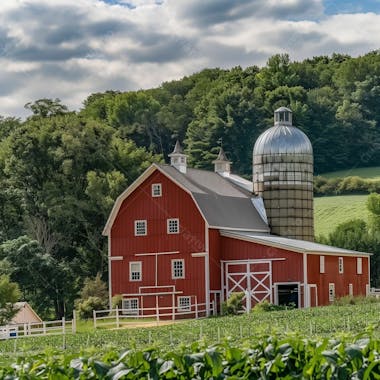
pixel 340 265
pixel 184 303
pixel 156 190
pixel 178 268
pixel 135 273
pixel 173 226
pixel 331 292
pixel 140 227
pixel 359 265
pixel 350 290
pixel 321 264
pixel 130 306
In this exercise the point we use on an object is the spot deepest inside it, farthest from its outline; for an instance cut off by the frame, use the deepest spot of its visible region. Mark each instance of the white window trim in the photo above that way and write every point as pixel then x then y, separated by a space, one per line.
pixel 146 227
pixel 321 264
pixel 359 265
pixel 156 186
pixel 168 225
pixel 186 307
pixel 331 292
pixel 130 270
pixel 129 310
pixel 183 269
pixel 340 265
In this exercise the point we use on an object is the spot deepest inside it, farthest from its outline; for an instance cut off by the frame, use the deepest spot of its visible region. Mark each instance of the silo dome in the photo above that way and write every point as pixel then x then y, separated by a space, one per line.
pixel 283 177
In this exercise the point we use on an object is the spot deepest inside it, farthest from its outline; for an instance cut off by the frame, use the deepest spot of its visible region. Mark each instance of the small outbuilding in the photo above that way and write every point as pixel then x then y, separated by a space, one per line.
pixel 25 314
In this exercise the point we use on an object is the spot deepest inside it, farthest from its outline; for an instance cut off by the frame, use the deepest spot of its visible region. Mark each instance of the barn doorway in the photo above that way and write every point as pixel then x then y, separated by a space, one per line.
pixel 252 277
pixel 288 294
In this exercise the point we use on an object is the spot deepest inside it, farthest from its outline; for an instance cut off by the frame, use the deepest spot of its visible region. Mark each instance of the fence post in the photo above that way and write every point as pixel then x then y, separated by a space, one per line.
pixel 94 317
pixel 29 329
pixel 117 317
pixel 44 327
pixel 63 325
pixel 74 322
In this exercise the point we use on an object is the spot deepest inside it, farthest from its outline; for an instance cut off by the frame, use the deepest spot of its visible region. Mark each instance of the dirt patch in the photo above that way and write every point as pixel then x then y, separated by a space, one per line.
pixel 133 325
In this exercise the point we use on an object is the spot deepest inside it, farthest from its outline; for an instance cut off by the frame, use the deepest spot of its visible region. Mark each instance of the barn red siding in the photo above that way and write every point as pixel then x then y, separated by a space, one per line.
pixel 215 257
pixel 332 275
pixel 288 270
pixel 174 203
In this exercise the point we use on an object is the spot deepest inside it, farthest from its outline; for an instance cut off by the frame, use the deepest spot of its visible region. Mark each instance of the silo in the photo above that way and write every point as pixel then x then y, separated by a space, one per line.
pixel 283 177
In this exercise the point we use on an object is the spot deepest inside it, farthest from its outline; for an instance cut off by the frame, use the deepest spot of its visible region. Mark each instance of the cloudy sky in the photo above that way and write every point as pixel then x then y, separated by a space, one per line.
pixel 72 48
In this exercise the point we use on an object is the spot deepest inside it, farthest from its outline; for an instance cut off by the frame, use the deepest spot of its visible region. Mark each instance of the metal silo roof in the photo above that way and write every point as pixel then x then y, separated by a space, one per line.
pixel 283 139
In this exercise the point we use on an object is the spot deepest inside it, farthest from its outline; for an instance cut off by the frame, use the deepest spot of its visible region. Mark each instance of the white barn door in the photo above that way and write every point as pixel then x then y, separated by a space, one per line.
pixel 253 277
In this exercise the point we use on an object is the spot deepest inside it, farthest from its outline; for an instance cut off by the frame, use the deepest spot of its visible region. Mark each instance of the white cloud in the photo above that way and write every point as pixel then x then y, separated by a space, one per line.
pixel 72 48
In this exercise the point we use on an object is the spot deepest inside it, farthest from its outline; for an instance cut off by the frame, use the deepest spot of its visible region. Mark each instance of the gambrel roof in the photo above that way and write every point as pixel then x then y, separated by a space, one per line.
pixel 223 202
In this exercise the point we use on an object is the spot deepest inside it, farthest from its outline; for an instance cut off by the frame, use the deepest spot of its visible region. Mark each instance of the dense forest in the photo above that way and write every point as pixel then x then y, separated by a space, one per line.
pixel 60 171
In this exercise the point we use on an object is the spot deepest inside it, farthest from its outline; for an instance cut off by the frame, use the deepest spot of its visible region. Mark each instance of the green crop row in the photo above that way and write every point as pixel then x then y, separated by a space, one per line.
pixel 266 357
pixel 314 322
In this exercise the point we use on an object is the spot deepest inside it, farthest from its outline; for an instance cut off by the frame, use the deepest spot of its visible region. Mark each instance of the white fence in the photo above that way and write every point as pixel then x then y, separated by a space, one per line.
pixel 58 327
pixel 121 317
pixel 374 292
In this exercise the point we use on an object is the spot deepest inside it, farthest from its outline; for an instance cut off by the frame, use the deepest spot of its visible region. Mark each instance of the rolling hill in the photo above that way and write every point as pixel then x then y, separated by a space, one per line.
pixel 330 211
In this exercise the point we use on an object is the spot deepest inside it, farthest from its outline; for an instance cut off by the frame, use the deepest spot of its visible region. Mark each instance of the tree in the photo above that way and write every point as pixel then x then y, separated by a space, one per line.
pixel 93 296
pixel 46 107
pixel 373 206
pixel 9 295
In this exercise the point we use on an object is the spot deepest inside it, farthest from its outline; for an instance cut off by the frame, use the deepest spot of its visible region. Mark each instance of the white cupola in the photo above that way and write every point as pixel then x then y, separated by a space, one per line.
pixel 222 165
pixel 178 159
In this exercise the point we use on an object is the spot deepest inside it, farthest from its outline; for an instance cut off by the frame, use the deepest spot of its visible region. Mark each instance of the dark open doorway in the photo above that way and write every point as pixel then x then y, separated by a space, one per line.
pixel 287 294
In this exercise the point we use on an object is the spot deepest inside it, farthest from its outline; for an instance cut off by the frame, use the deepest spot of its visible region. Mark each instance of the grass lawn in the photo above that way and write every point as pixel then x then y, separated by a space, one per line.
pixel 329 212
pixel 370 173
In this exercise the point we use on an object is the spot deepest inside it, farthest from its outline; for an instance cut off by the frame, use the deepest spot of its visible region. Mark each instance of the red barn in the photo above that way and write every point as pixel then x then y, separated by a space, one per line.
pixel 181 240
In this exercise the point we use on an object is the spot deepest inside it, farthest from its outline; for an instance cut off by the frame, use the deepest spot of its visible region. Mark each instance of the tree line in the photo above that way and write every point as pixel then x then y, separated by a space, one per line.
pixel 60 170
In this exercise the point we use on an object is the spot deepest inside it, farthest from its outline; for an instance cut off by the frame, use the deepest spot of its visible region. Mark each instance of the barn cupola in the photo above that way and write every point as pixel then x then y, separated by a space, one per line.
pixel 283 116
pixel 178 159
pixel 222 165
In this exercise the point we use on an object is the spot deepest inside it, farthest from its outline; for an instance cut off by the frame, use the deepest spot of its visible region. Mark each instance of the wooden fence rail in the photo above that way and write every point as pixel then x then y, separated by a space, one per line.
pixel 120 317
pixel 58 327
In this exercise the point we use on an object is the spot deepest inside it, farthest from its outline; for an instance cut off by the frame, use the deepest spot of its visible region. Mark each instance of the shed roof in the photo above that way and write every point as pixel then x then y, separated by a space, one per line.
pixel 302 246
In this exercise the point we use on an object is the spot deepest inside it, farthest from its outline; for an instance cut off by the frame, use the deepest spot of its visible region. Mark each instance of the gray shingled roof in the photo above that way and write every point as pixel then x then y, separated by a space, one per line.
pixel 291 244
pixel 223 203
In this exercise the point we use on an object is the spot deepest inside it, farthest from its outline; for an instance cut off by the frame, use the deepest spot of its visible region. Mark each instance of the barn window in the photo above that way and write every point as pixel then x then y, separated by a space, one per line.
pixel 184 303
pixel 156 190
pixel 178 268
pixel 321 264
pixel 340 265
pixel 331 292
pixel 173 226
pixel 135 271
pixel 131 306
pixel 350 290
pixel 140 228
pixel 359 265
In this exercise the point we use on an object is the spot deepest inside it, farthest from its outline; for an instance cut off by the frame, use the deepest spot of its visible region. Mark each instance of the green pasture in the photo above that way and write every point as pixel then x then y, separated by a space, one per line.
pixel 369 173
pixel 331 211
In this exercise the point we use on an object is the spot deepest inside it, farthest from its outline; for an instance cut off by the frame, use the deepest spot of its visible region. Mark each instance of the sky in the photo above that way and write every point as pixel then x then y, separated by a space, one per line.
pixel 68 49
